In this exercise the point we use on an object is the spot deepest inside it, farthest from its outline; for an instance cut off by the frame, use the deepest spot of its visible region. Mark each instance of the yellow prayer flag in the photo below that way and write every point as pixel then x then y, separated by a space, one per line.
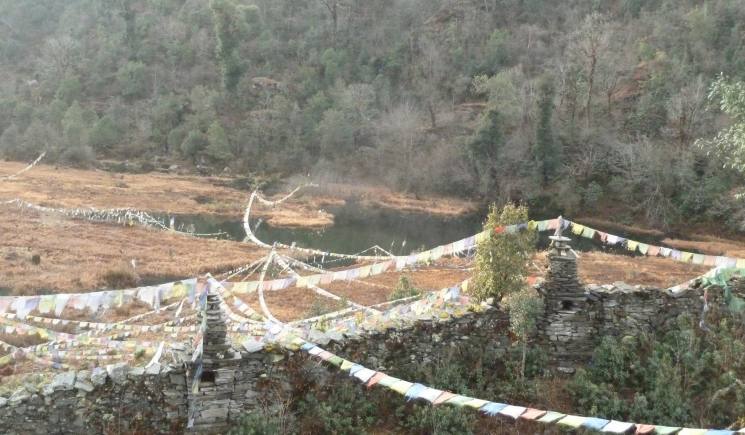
pixel 631 245
pixel 578 229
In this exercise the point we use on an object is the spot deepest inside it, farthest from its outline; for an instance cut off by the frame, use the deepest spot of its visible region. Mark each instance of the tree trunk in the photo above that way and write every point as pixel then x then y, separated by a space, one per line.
pixel 432 115
pixel 590 84
pixel 522 361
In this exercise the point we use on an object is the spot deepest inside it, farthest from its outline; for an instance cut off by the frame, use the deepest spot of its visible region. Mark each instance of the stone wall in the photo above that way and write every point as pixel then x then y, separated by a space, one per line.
pixel 120 399
pixel 112 400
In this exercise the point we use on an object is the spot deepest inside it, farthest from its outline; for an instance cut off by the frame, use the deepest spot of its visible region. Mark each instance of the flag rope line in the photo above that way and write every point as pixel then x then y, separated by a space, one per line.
pixel 26 169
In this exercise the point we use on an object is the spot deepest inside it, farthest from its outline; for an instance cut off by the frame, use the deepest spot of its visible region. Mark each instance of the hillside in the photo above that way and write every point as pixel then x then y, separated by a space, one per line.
pixel 571 106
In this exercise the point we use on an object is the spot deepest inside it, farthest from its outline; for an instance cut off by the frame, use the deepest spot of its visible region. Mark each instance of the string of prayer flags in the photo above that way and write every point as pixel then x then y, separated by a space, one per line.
pixel 652 250
pixel 415 391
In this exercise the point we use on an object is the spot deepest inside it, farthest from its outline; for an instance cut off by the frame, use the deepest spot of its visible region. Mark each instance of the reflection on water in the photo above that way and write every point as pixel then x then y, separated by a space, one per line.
pixel 357 228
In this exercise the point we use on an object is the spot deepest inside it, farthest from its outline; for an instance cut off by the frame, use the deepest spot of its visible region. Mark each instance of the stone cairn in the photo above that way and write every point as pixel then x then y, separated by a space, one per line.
pixel 568 326
pixel 212 403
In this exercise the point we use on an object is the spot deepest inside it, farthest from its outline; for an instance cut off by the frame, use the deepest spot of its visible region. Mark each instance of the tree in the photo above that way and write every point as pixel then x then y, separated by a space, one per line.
pixel 545 151
pixel 399 139
pixel 74 129
pixel 218 148
pixel 590 41
pixel 69 89
pixel 336 133
pixel 132 80
pixel 333 8
pixel 104 134
pixel 684 110
pixel 729 144
pixel 166 115
pixel 502 259
pixel 484 149
pixel 10 142
pixel 37 137
pixel 194 143
pixel 230 25
pixel 525 306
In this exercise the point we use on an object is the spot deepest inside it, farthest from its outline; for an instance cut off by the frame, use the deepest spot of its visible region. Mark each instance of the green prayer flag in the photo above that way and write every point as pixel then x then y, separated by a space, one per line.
pixel 551 417
pixel 573 421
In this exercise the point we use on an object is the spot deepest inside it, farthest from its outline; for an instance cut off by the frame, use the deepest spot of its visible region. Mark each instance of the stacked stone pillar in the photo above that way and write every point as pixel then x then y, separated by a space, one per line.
pixel 214 401
pixel 568 328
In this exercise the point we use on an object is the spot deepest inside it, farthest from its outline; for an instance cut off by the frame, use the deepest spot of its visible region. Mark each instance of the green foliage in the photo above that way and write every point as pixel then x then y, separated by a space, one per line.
pixel 10 142
pixel 74 128
pixel 132 80
pixel 502 259
pixel 69 89
pixel 441 420
pixel 230 26
pixel 218 148
pixel 345 409
pixel 343 70
pixel 525 308
pixel 546 153
pixel 256 424
pixel 403 289
pixel 729 144
pixel 484 149
pixel 193 144
pixel 104 134
pixel 685 378
pixel 593 194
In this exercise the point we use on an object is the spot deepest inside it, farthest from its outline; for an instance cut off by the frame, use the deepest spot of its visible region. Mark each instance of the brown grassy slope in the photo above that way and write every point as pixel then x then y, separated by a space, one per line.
pixel 75 254
pixel 181 194
pixel 153 192
pixel 602 268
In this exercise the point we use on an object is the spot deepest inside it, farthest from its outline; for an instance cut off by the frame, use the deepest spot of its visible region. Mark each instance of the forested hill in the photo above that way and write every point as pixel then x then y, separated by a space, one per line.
pixel 596 103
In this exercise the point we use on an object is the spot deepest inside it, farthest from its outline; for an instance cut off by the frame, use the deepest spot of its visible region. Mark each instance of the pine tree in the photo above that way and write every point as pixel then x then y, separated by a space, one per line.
pixel 545 150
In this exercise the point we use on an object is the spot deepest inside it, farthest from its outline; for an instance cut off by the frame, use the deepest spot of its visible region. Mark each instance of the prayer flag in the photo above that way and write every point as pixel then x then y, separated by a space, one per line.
pixel 588 233
pixel 492 408
pixel 444 397
pixel 401 387
pixel 513 411
pixel 595 423
pixel 643 248
pixel 573 421
pixel 551 417
pixel 631 245
pixel 533 414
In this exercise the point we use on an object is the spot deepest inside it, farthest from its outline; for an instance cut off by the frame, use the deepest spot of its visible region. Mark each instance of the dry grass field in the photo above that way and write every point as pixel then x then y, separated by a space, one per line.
pixel 79 256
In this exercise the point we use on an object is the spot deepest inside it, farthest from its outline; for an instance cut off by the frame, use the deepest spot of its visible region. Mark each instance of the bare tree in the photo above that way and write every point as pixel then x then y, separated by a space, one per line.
pixel 59 54
pixel 685 108
pixel 333 8
pixel 590 41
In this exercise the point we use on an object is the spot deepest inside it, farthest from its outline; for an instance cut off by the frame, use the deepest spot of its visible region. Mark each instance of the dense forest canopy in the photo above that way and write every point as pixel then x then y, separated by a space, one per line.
pixel 569 105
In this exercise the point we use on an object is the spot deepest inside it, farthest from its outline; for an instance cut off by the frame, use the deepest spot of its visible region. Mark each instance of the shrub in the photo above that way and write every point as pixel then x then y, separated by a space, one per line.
pixel 120 276
pixel 79 156
pixel 404 289
pixel 525 306
pixel 257 424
